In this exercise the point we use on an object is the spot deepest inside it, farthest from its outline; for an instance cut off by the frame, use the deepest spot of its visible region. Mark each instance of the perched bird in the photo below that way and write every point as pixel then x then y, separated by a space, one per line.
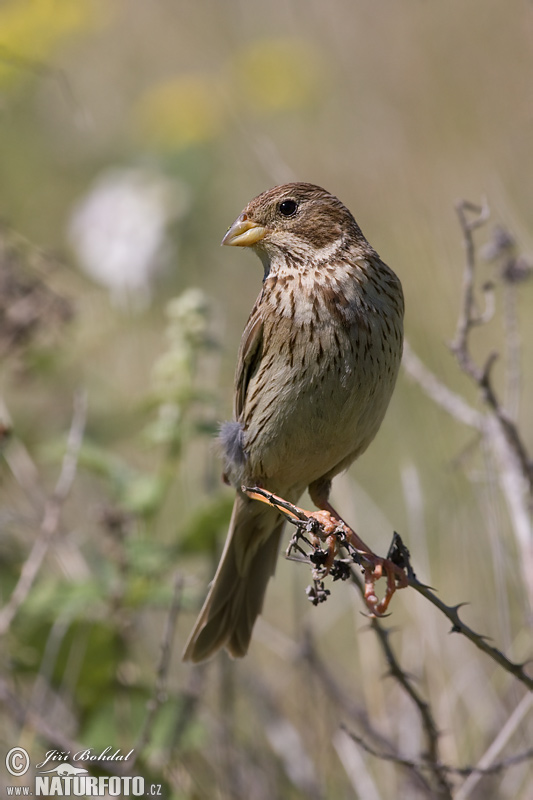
pixel 316 369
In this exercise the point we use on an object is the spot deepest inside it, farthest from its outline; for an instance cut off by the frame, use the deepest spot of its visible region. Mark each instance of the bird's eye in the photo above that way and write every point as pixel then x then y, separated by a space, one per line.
pixel 287 208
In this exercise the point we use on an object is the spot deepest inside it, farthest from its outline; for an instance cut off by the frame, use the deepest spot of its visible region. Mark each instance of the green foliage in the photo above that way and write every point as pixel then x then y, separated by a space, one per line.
pixel 202 531
pixel 228 99
pixel 76 627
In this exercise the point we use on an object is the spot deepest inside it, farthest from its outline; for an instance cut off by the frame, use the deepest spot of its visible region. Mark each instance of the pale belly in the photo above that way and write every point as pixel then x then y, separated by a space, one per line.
pixel 313 422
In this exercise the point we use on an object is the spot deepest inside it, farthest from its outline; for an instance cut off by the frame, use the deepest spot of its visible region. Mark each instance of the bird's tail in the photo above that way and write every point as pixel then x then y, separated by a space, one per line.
pixel 236 595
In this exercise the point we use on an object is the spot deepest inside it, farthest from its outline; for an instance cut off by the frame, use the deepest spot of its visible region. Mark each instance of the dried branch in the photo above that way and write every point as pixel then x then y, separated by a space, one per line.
pixel 468 319
pixel 51 515
pixel 499 431
pixel 342 569
pixel 310 552
pixel 159 696
pixel 514 270
pixel 429 726
pixel 480 641
pixel 420 766
pixel 455 405
pixel 486 762
pixel 311 532
pixel 513 482
pixel 345 702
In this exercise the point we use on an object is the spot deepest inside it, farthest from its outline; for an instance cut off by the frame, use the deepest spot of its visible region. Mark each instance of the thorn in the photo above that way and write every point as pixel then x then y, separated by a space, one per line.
pixel 416 582
pixel 455 629
pixel 455 609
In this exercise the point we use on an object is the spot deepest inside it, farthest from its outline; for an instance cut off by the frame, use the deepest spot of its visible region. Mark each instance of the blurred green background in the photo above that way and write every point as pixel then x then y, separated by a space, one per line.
pixel 131 136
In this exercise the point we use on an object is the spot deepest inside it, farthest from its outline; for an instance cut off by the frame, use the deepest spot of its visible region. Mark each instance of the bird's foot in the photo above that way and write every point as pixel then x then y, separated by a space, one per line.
pixel 328 523
pixel 326 532
pixel 374 568
pixel 337 533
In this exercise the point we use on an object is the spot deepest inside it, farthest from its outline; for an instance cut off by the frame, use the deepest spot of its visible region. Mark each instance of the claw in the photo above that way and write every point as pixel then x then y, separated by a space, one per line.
pixel 375 568
pixel 334 533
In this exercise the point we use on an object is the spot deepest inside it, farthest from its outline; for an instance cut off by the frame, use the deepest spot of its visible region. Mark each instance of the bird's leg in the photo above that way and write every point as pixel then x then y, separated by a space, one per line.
pixel 332 524
pixel 373 565
pixel 328 522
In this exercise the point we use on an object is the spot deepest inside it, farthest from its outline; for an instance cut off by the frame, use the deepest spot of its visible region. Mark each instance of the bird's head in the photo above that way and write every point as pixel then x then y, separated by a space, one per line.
pixel 299 220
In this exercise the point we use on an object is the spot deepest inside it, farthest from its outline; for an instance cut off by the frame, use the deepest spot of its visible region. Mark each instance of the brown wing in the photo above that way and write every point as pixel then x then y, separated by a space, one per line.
pixel 250 353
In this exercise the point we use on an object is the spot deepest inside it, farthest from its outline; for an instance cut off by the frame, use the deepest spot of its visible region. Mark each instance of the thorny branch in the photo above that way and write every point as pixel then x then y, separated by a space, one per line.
pixel 343 568
pixel 506 441
pixel 480 641
pixel 345 702
pixel 463 772
pixel 429 725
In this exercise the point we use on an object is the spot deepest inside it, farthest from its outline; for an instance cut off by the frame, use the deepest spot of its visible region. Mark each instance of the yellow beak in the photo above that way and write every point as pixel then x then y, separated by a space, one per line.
pixel 244 233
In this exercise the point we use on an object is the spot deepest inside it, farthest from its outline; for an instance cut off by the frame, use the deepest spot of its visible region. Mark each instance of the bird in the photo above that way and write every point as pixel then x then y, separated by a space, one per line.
pixel 317 365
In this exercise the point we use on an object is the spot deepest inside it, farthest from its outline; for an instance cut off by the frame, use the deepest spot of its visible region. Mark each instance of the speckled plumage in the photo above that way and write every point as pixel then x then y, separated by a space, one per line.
pixel 317 366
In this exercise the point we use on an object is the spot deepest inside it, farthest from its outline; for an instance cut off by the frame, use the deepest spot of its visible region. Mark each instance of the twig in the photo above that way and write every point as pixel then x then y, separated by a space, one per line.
pixel 499 766
pixel 485 765
pixel 515 489
pixel 514 483
pixel 453 403
pixel 432 759
pixel 341 569
pixel 317 594
pixel 51 515
pixel 467 318
pixel 345 702
pixel 289 510
pixel 514 463
pixel 460 346
pixel 458 626
pixel 159 695
pixel 362 781
pixel 507 425
pixel 515 468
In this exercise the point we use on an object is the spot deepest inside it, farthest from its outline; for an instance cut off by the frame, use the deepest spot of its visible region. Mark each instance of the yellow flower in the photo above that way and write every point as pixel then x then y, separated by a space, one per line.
pixel 277 74
pixel 181 112
pixel 30 30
